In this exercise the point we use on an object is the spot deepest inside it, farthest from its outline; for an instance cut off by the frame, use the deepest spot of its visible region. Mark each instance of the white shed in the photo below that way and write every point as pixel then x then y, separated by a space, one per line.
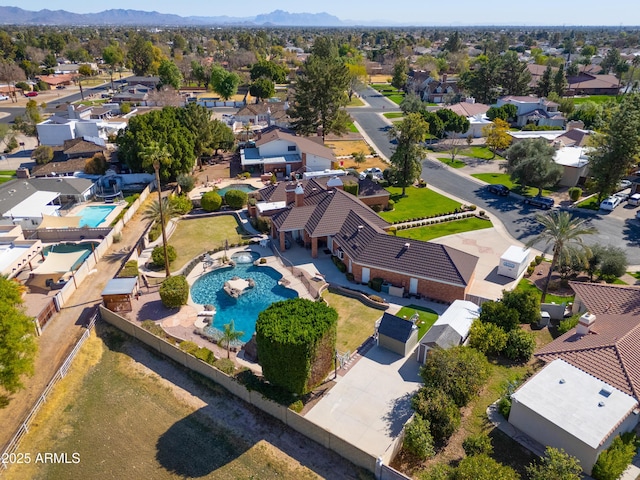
pixel 514 261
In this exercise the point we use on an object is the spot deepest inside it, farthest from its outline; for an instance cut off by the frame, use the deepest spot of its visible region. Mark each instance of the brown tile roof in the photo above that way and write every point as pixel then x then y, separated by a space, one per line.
pixel 79 146
pixel 589 80
pixel 293 218
pixel 467 109
pixel 369 245
pixel 305 145
pixel 611 351
pixel 59 167
pixel 576 137
pixel 261 108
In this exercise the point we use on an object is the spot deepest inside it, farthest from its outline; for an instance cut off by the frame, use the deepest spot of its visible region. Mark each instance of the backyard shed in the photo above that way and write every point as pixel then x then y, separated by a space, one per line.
pixel 513 262
pixel 119 292
pixel 397 334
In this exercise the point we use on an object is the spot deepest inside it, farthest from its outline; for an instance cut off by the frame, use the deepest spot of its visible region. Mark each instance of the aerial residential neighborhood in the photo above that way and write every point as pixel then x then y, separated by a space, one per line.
pixel 292 245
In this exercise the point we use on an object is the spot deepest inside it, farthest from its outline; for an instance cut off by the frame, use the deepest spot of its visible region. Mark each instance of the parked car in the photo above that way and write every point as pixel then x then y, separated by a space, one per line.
pixel 623 196
pixel 623 184
pixel 375 172
pixel 634 199
pixel 4 97
pixel 31 94
pixel 499 189
pixel 60 87
pixel 540 201
pixel 610 203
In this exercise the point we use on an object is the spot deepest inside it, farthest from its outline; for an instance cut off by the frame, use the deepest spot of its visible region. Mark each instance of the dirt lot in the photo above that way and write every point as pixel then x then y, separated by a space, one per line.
pixel 348 147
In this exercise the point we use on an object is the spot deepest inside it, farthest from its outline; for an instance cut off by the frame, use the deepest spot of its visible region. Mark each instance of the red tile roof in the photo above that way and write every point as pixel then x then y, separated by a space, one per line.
pixel 611 351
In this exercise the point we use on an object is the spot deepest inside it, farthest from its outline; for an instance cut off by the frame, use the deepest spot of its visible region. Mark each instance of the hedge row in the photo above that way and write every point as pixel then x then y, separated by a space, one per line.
pixel 437 220
pixel 470 208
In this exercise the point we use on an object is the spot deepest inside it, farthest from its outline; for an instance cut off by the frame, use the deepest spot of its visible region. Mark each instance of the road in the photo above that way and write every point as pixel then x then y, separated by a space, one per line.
pixel 518 219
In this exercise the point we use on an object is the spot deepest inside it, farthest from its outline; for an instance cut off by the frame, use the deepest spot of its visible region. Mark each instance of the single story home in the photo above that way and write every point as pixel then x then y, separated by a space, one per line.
pixel 475 113
pixel 265 114
pixel 591 84
pixel 397 334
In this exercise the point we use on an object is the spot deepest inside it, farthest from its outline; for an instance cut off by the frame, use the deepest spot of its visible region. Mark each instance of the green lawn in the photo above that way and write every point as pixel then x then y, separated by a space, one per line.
pixel 390 92
pixel 453 164
pixel 505 180
pixel 356 321
pixel 355 102
pixel 352 128
pixel 9 173
pixel 5 179
pixel 394 115
pixel 426 319
pixel 419 203
pixel 208 233
pixel 526 285
pixel 597 99
pixel 480 152
pixel 590 204
pixel 438 230
pixel 125 422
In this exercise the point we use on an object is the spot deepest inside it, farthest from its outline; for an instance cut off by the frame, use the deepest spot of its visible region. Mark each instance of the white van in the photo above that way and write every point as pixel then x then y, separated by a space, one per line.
pixel 634 199
pixel 610 203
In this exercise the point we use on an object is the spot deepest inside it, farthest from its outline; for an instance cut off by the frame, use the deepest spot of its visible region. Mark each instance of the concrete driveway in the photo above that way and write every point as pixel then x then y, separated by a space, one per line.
pixel 369 405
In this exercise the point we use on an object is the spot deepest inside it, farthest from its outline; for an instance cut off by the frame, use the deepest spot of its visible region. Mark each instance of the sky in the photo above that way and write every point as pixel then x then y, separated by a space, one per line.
pixel 422 12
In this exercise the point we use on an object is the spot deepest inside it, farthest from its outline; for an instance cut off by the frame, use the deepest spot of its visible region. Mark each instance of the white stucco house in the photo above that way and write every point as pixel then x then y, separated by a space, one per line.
pixel 475 113
pixel 534 110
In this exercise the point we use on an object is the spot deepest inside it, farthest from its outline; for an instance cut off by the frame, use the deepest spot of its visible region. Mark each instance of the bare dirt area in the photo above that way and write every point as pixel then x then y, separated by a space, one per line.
pixel 348 147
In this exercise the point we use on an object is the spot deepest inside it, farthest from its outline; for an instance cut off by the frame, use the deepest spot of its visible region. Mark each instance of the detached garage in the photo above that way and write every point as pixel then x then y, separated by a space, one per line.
pixel 397 334
pixel 513 262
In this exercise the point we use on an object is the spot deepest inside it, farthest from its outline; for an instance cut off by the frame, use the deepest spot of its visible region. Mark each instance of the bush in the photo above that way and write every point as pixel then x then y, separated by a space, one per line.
pixel 174 291
pixel 439 410
pixel 393 230
pixel 526 303
pixel 487 338
pixel 501 315
pixel 130 270
pixel 205 355
pixel 157 255
pixel 297 406
pixel 352 188
pixel 341 266
pixel 555 464
pixel 568 323
pixel 538 259
pixel 125 108
pixel 575 193
pixel 530 270
pixel 376 284
pixel 42 154
pixel 477 445
pixel 181 204
pixel 504 406
pixel 97 165
pixel 236 199
pixel 615 459
pixel 24 86
pixel 225 365
pixel 154 328
pixel 483 467
pixel 350 276
pixel 211 201
pixel 417 438
pixel 376 208
pixel 520 345
pixel 12 145
pixel 187 182
pixel 189 347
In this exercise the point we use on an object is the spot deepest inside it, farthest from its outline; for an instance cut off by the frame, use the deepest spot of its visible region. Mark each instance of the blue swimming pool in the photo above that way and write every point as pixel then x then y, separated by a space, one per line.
pixel 94 216
pixel 244 310
pixel 237 186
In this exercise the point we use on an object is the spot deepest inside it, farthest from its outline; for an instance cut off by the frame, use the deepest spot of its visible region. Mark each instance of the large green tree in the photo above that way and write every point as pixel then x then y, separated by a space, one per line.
pixel 262 88
pixel 321 92
pixel 405 161
pixel 616 149
pixel 140 55
pixel 483 81
pixel 514 75
pixel 564 233
pixel 266 69
pixel 530 163
pixel 224 83
pixel 17 343
pixel 545 84
pixel 169 74
pixel 113 56
pixel 400 74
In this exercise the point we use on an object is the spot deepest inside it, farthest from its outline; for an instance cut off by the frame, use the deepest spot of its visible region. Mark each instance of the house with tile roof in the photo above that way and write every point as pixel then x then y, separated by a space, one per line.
pixel 284 153
pixel 539 111
pixel 265 114
pixel 600 361
pixel 591 84
pixel 349 229
pixel 475 113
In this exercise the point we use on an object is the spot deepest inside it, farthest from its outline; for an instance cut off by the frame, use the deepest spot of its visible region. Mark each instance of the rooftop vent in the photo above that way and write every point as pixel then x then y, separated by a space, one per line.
pixel 360 227
pixel 605 392
pixel 601 403
pixel 562 381
pixel 407 245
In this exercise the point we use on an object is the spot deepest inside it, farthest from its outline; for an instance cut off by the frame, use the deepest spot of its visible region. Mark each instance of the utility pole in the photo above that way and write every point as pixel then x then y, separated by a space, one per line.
pixel 156 167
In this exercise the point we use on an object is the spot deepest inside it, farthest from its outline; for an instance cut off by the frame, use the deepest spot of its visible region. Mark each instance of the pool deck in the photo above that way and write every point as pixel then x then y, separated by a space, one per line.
pixel 109 218
pixel 202 188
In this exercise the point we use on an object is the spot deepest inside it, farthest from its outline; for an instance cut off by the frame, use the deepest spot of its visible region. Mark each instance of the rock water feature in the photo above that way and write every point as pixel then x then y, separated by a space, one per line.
pixel 236 286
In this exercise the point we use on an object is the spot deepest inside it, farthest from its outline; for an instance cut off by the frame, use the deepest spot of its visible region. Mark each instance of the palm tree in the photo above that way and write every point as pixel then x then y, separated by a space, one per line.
pixel 230 335
pixel 152 212
pixel 565 233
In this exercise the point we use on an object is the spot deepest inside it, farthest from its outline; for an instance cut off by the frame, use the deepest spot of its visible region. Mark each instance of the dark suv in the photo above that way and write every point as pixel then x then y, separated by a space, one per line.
pixel 499 189
pixel 539 201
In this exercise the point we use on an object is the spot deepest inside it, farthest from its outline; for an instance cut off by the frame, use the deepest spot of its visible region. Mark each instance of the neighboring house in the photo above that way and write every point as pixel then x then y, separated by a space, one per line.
pixel 55 80
pixel 450 329
pixel 55 130
pixel 135 94
pixel 73 68
pixel 138 81
pixel 347 228
pixel 588 393
pixel 475 113
pixel 397 334
pixel 59 168
pixel 84 147
pixel 24 202
pixel 592 84
pixel 575 165
pixel 418 80
pixel 538 111
pixel 265 114
pixel 440 91
pixel 283 153
pixel 16 253
pixel 564 407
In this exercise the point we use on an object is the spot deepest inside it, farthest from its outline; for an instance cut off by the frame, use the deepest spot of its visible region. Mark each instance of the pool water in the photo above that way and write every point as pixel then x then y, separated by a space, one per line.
pixel 94 216
pixel 245 309
pixel 237 186
pixel 72 247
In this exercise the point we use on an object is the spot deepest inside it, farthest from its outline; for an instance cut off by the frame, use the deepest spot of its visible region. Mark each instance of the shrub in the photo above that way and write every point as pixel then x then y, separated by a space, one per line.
pixel 575 193
pixel 96 165
pixel 504 406
pixel 526 303
pixel 555 464
pixel 439 410
pixel 225 365
pixel 263 261
pixel 376 284
pixel 341 266
pixel 130 270
pixel 211 201
pixel 472 208
pixel 181 204
pixel 296 342
pixel 568 323
pixel 42 154
pixel 236 199
pixel 350 276
pixel 501 315
pixel 352 188
pixel 187 182
pixel 297 406
pixel 174 291
pixel 538 259
pixel 483 467
pixel 273 179
pixel 393 230
pixel 205 355
pixel 154 328
pixel 125 108
pixel 615 459
pixel 417 438
pixel 155 231
pixel 487 338
pixel 12 145
pixel 477 445
pixel 376 208
pixel 117 237
pixel 189 347
pixel 390 205
pixel 157 255
pixel 520 345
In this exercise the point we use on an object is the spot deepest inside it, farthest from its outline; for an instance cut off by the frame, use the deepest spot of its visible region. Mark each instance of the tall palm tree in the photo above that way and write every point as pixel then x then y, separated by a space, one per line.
pixel 565 233
pixel 230 335
pixel 152 212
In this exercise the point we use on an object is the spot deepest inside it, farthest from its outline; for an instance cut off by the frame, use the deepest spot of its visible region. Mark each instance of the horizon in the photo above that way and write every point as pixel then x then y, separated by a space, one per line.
pixel 467 13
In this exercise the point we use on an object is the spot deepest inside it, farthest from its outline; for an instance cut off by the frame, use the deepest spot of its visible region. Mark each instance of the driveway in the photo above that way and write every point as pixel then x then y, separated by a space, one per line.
pixel 369 405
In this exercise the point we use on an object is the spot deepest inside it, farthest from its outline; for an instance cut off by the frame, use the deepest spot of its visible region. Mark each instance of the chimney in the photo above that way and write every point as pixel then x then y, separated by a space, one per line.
pixel 290 192
pixel 299 191
pixel 444 78
pixel 585 323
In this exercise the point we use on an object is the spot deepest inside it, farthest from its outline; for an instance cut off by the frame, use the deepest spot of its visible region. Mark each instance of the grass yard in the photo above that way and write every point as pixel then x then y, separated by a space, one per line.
pixel 7 173
pixel 352 128
pixel 390 92
pixel 590 204
pixel 391 115
pixel 426 318
pixel 453 164
pixel 482 153
pixel 505 180
pixel 418 203
pixel 5 179
pixel 597 99
pixel 125 422
pixel 355 320
pixel 355 102
pixel 527 286
pixel 210 233
pixel 438 230
pixel 348 147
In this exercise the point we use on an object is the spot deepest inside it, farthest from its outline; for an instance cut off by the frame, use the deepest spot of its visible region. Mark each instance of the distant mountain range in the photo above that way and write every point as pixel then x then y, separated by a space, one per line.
pixel 18 16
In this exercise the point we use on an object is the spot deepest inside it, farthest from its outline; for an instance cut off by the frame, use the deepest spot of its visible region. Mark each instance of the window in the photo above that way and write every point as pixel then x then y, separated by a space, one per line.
pixel 291 148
